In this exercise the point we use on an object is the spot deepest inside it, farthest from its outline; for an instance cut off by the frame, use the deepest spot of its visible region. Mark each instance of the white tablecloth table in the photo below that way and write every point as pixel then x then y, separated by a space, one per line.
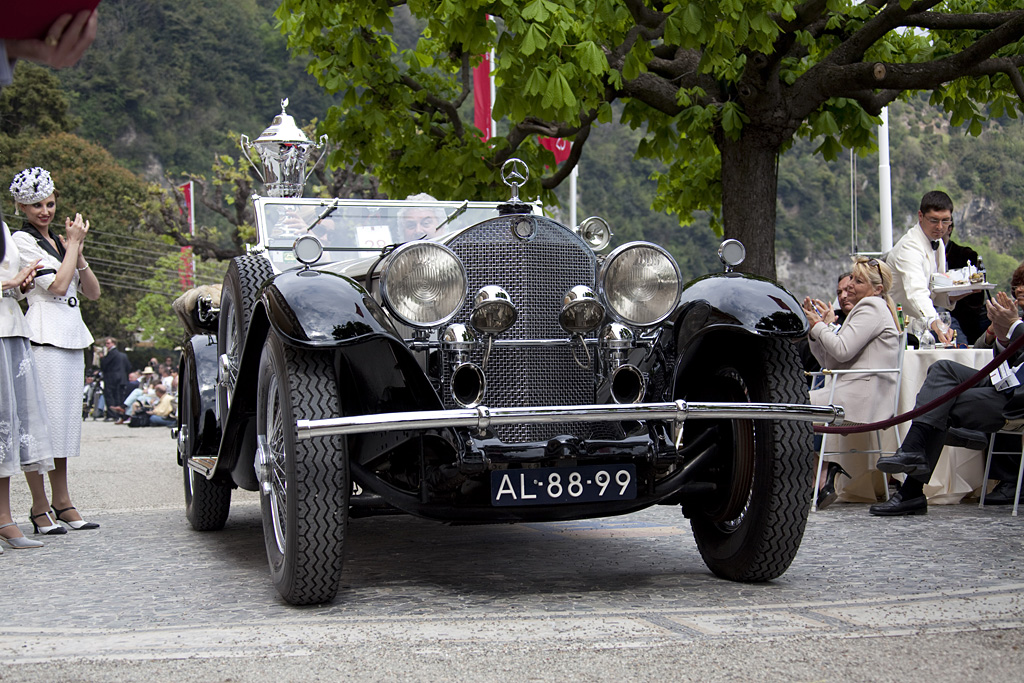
pixel 959 471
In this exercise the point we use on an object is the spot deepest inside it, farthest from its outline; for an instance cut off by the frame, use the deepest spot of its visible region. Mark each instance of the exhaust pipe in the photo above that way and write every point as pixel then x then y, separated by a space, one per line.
pixel 468 385
pixel 628 384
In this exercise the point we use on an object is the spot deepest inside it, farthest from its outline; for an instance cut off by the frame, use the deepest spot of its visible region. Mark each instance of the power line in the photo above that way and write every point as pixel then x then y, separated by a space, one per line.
pixel 118 285
pixel 128 267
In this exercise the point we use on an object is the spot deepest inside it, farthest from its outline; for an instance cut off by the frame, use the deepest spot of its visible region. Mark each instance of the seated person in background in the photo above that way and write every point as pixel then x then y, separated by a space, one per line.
pixel 838 315
pixel 868 339
pixel 987 339
pixel 982 408
pixel 917 256
pixel 420 221
pixel 161 413
pixel 969 315
pixel 133 393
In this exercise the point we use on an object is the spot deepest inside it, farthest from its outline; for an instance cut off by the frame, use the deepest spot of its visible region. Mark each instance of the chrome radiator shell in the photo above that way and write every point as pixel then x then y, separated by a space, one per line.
pixel 536 272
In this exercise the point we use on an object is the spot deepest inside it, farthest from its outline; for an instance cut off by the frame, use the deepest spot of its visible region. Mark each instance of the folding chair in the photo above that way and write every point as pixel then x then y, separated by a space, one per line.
pixel 898 371
pixel 1014 427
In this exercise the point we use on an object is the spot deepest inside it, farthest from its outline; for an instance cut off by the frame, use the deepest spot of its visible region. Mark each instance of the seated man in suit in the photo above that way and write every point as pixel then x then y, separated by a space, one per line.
pixel 982 408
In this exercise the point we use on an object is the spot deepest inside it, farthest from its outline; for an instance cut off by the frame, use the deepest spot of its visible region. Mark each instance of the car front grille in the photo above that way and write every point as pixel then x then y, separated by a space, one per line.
pixel 536 273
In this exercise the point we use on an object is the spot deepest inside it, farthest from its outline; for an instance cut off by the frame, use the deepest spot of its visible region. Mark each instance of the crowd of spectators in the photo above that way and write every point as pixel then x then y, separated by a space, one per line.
pixel 906 272
pixel 148 398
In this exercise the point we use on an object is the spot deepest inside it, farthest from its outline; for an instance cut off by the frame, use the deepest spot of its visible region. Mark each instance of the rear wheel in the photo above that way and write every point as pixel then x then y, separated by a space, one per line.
pixel 751 528
pixel 242 282
pixel 206 503
pixel 304 487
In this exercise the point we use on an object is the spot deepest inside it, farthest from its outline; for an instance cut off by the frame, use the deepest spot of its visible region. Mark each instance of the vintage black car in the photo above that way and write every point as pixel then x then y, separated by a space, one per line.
pixel 495 370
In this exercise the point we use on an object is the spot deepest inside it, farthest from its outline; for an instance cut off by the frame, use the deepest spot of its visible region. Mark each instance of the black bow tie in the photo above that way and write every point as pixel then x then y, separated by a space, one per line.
pixel 935 245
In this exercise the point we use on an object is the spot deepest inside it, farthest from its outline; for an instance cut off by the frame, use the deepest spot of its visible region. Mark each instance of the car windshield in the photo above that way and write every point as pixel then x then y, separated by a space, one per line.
pixel 351 229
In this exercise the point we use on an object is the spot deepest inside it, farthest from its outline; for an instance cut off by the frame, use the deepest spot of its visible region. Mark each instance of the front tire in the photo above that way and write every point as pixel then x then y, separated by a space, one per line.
pixel 751 528
pixel 304 484
pixel 242 282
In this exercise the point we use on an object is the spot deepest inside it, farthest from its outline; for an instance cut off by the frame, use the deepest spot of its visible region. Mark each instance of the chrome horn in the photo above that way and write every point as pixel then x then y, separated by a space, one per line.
pixel 596 232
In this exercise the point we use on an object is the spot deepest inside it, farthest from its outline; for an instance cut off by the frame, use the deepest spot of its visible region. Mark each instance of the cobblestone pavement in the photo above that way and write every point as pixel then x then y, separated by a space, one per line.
pixel 145 588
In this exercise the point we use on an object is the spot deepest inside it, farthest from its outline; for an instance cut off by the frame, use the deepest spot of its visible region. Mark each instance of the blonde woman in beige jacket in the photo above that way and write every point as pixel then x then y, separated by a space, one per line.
pixel 869 338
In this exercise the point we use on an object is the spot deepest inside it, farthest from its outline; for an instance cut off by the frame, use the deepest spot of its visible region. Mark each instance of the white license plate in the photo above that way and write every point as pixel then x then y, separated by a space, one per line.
pixel 554 485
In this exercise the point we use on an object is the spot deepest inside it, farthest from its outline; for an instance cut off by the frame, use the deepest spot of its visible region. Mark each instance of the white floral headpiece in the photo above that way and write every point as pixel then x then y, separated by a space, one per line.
pixel 32 185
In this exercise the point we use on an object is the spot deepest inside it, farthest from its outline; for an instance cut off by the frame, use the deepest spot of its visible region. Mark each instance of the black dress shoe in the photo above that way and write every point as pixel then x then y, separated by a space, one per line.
pixel 896 506
pixel 912 463
pixel 1002 494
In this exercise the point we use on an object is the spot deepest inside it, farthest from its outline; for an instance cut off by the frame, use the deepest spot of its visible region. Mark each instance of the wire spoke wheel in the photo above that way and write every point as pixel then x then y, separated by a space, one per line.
pixel 304 483
pixel 242 282
pixel 207 503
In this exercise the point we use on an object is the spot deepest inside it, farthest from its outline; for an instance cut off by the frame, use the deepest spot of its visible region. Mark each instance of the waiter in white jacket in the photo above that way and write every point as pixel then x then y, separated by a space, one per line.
pixel 920 253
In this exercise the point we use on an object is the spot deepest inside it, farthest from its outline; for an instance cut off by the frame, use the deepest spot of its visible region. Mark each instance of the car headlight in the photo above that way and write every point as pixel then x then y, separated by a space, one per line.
pixel 423 283
pixel 640 283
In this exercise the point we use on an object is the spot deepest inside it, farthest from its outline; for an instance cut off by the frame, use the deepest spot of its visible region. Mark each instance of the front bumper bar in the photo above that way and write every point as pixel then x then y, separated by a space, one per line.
pixel 482 417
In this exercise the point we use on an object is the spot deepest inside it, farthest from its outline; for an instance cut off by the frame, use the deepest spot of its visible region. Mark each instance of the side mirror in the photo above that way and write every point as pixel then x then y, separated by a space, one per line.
pixel 731 253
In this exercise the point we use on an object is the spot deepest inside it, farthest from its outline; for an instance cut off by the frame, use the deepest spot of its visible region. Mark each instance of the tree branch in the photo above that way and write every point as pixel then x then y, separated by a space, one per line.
pixel 832 79
pixel 446 108
pixel 560 174
pixel 940 22
pixel 643 16
pixel 891 17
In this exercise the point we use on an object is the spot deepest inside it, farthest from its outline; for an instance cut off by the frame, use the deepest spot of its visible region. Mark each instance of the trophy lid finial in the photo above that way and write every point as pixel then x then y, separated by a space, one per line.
pixel 283 129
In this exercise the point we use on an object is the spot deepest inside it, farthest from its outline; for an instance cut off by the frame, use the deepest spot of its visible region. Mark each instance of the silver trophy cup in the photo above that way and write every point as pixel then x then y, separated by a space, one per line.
pixel 284 150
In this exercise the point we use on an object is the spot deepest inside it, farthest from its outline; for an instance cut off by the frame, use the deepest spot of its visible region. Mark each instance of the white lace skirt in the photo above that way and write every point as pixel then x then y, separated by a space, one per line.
pixel 24 427
pixel 62 376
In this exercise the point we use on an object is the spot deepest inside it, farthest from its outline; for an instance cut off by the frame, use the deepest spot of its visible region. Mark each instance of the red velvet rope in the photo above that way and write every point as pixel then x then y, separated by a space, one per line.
pixel 948 396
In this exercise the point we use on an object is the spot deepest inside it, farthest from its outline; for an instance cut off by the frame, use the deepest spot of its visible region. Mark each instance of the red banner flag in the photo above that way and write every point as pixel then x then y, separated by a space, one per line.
pixel 186 192
pixel 560 147
pixel 186 269
pixel 482 97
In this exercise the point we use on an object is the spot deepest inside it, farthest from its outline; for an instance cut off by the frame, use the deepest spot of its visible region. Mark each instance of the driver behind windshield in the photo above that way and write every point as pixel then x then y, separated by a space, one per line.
pixel 419 221
pixel 293 222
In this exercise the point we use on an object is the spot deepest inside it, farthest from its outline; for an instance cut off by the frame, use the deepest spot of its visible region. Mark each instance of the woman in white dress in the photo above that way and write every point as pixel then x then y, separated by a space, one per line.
pixel 58 337
pixel 24 430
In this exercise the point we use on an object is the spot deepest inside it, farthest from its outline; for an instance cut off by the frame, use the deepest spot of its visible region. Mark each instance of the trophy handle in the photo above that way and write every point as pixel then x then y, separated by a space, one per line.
pixel 322 144
pixel 244 142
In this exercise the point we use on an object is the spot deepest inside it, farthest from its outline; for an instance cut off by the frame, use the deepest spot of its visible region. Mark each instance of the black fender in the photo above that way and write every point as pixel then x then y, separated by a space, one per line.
pixel 730 305
pixel 197 374
pixel 323 311
pixel 316 309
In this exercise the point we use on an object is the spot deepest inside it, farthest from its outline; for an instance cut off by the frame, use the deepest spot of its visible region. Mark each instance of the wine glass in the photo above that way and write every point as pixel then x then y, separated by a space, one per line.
pixel 945 321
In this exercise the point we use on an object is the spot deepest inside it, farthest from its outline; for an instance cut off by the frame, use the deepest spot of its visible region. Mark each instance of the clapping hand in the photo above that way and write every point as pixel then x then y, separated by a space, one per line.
pixel 817 311
pixel 66 40
pixel 1002 312
pixel 77 230
pixel 25 279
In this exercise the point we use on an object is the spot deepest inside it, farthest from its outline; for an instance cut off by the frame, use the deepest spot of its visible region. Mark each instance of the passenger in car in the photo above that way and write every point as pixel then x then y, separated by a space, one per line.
pixel 419 221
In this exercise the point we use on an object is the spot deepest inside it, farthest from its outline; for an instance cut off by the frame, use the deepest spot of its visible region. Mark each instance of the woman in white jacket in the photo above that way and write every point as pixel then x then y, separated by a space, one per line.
pixel 869 338
pixel 24 429
pixel 58 335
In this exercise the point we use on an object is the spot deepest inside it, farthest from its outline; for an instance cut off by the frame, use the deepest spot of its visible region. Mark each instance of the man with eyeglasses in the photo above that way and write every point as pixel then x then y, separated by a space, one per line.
pixel 917 256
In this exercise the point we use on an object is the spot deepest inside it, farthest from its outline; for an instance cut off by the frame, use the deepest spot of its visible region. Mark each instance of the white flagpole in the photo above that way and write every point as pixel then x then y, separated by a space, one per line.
pixel 490 77
pixel 884 184
pixel 572 195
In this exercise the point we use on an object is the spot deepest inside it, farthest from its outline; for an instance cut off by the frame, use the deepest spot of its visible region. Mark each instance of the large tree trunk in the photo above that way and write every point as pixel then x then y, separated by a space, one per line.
pixel 750 178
